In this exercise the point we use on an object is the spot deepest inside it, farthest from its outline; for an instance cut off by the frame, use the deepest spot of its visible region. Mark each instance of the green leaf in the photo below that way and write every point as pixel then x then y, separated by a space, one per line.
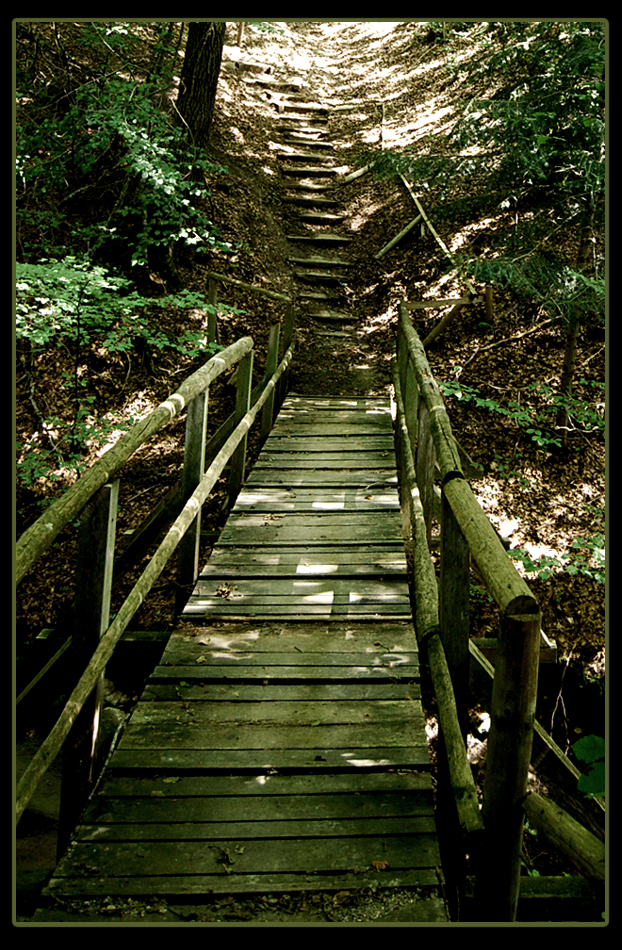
pixel 589 749
pixel 594 783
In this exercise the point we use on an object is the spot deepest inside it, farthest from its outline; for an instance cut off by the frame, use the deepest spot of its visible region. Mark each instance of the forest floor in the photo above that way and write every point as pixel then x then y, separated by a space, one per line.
pixel 538 499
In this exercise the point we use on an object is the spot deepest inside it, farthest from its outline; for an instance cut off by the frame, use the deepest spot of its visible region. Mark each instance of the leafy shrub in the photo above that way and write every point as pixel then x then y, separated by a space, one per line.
pixel 591 751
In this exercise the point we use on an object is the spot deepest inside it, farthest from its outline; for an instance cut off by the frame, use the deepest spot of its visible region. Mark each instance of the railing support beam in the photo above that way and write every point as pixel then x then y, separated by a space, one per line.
pixel 513 710
pixel 91 617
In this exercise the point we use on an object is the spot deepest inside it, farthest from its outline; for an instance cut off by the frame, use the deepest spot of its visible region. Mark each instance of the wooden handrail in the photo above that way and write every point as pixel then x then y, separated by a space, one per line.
pixel 40 535
pixel 54 741
pixel 427 630
pixel 465 530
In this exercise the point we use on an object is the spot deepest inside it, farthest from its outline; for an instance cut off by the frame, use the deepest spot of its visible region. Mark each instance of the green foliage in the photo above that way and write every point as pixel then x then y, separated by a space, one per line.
pixel 538 423
pixel 587 559
pixel 74 302
pixel 535 149
pixel 101 164
pixel 591 751
pixel 82 308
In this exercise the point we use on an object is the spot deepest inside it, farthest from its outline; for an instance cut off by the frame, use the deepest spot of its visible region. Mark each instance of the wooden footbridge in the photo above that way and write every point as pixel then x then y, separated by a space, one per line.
pixel 279 744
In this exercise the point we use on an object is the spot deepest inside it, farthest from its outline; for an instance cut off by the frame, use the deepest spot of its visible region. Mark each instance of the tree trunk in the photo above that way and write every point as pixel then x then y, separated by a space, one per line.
pixel 585 265
pixel 199 79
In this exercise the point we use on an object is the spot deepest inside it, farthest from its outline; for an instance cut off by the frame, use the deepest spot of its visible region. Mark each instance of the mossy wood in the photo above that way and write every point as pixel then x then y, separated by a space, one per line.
pixel 52 744
pixel 447 455
pixel 579 845
pixel 39 536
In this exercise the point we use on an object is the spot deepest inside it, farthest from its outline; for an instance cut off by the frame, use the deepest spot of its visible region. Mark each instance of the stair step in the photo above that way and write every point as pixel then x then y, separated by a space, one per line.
pixel 302 107
pixel 296 140
pixel 317 217
pixel 310 200
pixel 305 129
pixel 321 261
pixel 318 275
pixel 305 157
pixel 336 316
pixel 309 171
pixel 310 187
pixel 320 238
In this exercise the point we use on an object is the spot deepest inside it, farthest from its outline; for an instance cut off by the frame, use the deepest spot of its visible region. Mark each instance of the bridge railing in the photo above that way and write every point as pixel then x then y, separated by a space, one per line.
pixel 93 499
pixel 428 453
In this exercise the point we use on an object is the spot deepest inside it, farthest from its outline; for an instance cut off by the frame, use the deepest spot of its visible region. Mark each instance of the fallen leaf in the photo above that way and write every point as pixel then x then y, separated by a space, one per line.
pixel 380 865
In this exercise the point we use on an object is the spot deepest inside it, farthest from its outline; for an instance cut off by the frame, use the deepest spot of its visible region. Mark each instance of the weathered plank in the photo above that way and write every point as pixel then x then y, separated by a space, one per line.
pixel 275 712
pixel 200 886
pixel 254 829
pixel 241 673
pixel 334 854
pixel 359 476
pixel 282 499
pixel 320 759
pixel 281 808
pixel 287 561
pixel 249 658
pixel 243 693
pixel 352 786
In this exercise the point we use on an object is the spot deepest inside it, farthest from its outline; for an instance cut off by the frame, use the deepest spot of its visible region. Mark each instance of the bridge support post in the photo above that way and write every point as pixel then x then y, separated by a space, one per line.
pixel 272 361
pixel 243 401
pixel 194 463
pixel 454 608
pixel 91 617
pixel 513 711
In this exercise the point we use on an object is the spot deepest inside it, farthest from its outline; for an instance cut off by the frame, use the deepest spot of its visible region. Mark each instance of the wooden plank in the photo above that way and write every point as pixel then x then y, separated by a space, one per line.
pixel 285 561
pixel 332 460
pixel 353 443
pixel 417 785
pixel 332 611
pixel 278 808
pixel 282 499
pixel 282 674
pixel 312 520
pixel 197 885
pixel 413 756
pixel 334 854
pixel 300 692
pixel 261 737
pixel 198 653
pixel 257 528
pixel 297 638
pixel 378 403
pixel 362 477
pixel 253 829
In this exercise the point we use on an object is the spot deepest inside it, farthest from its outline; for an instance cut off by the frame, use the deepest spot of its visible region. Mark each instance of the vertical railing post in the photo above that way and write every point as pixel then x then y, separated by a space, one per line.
pixel 272 361
pixel 91 617
pixel 192 472
pixel 512 717
pixel 289 323
pixel 424 466
pixel 244 378
pixel 454 607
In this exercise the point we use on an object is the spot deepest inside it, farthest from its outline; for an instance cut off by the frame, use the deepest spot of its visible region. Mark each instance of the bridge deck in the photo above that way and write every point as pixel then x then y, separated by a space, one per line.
pixel 280 743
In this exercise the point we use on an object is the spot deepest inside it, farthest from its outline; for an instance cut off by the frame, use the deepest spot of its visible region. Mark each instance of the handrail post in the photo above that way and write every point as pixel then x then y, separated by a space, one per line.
pixel 242 405
pixel 91 617
pixel 272 360
pixel 289 323
pixel 513 710
pixel 454 607
pixel 192 473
